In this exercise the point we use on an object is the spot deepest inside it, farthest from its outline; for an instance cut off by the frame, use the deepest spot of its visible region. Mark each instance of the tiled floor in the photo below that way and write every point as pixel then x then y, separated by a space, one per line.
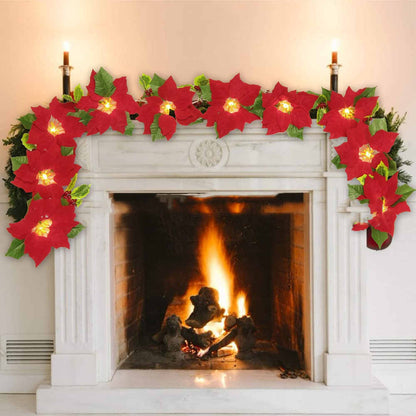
pixel 24 405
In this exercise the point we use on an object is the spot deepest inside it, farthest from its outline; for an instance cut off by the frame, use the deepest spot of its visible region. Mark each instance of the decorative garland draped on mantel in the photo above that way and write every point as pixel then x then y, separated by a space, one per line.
pixel 43 174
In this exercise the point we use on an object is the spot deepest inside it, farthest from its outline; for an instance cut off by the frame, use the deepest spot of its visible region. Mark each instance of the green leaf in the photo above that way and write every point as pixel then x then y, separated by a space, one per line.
pixel 405 191
pixel 80 192
pixel 144 81
pixel 71 185
pixel 155 129
pixel 320 113
pixel 78 93
pixel 206 92
pixel 293 131
pixel 67 151
pixel 364 201
pixel 201 80
pixel 368 92
pixel 354 191
pixel 67 98
pixel 130 125
pixel 379 236
pixel 16 249
pixel 75 230
pixel 27 120
pixel 382 170
pixel 362 178
pixel 197 121
pixel 337 162
pixel 18 161
pixel 28 146
pixel 377 124
pixel 37 196
pixel 326 93
pixel 104 85
pixel 257 107
pixel 392 166
pixel 83 115
pixel 155 83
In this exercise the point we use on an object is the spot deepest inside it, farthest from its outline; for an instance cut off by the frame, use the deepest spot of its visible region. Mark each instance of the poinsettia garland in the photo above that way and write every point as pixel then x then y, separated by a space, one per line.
pixel 43 169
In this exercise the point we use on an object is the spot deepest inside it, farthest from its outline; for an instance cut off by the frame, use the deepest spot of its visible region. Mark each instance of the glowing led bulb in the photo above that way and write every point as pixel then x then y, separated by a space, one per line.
pixel 166 106
pixel 42 228
pixel 347 112
pixel 107 105
pixel 46 177
pixel 231 105
pixel 366 153
pixel 55 127
pixel 284 106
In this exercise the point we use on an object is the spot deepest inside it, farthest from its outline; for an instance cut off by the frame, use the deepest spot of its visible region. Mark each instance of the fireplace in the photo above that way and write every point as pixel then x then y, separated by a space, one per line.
pixel 313 310
pixel 252 250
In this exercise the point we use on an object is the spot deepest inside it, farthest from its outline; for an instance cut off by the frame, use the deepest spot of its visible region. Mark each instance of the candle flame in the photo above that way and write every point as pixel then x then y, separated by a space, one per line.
pixel 66 46
pixel 335 45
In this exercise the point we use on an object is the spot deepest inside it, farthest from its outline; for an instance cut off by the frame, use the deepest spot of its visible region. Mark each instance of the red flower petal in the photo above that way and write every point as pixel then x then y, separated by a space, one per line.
pixel 167 125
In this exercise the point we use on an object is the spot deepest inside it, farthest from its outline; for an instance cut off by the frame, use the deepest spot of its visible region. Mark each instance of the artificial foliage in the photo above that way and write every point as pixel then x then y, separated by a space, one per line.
pixel 42 173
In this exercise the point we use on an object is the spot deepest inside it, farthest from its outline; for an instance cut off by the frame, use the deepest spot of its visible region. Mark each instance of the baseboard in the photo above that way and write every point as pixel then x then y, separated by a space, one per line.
pixel 398 378
pixel 11 382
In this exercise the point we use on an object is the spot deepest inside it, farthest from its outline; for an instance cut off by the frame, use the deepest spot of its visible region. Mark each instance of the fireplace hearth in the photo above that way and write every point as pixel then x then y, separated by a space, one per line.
pixel 118 285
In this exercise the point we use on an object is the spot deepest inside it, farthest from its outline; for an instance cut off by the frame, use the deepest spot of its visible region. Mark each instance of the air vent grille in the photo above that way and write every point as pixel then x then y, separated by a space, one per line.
pixel 26 352
pixel 393 351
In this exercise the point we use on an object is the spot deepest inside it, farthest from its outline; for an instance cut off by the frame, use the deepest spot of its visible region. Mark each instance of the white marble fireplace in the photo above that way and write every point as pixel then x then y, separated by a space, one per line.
pixel 84 375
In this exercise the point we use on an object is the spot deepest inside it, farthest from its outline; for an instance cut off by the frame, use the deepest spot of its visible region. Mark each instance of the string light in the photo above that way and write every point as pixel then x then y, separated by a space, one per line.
pixel 46 177
pixel 42 228
pixel 55 127
pixel 231 105
pixel 166 106
pixel 107 105
pixel 284 106
pixel 347 112
pixel 366 153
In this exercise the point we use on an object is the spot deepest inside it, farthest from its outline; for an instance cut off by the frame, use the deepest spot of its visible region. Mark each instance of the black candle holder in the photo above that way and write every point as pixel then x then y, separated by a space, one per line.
pixel 334 76
pixel 66 78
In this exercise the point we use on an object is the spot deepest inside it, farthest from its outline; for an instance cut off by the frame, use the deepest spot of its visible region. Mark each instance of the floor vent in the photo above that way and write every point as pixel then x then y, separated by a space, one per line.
pixel 18 352
pixel 393 351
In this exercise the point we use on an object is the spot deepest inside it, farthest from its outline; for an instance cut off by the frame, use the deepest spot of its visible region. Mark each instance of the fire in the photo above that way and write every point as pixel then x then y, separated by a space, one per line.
pixel 241 305
pixel 215 265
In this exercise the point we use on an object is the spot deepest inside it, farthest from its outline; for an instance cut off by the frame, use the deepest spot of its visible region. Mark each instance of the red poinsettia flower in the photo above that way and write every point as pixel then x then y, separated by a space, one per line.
pixel 226 106
pixel 46 172
pixel 170 99
pixel 383 204
pixel 283 108
pixel 359 226
pixel 53 126
pixel 46 224
pixel 343 112
pixel 363 152
pixel 108 111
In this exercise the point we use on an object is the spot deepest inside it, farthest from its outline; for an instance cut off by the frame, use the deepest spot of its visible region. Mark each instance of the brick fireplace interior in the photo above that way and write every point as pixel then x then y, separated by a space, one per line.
pixel 157 261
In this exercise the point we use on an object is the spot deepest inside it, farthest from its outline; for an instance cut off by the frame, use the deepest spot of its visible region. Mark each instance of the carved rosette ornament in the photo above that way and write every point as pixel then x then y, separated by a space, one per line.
pixel 208 153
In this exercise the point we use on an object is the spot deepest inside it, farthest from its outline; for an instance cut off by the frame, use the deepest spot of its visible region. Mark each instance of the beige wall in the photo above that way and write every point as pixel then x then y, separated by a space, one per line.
pixel 266 41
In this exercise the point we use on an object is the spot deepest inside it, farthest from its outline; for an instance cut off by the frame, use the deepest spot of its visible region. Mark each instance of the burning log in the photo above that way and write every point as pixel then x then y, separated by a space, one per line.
pixel 199 340
pixel 242 331
pixel 245 338
pixel 206 308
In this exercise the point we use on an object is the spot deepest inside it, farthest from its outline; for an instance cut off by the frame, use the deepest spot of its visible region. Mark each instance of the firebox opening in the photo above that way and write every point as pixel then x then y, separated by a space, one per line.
pixel 218 282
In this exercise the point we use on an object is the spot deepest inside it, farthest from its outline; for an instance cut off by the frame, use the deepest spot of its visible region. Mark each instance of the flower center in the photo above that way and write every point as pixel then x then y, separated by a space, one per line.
pixel 46 177
pixel 366 153
pixel 42 228
pixel 107 105
pixel 231 105
pixel 284 106
pixel 55 127
pixel 347 112
pixel 384 207
pixel 166 106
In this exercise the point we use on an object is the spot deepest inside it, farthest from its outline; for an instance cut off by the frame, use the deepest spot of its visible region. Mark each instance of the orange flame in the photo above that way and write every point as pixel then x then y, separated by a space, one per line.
pixel 242 305
pixel 215 265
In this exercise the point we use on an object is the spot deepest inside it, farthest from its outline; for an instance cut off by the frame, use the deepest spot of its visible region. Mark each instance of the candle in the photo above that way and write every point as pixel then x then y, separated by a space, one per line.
pixel 66 53
pixel 66 82
pixel 334 51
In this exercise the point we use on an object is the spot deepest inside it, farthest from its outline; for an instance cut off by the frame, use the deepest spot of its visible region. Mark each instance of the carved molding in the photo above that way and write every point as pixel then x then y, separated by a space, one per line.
pixel 208 153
